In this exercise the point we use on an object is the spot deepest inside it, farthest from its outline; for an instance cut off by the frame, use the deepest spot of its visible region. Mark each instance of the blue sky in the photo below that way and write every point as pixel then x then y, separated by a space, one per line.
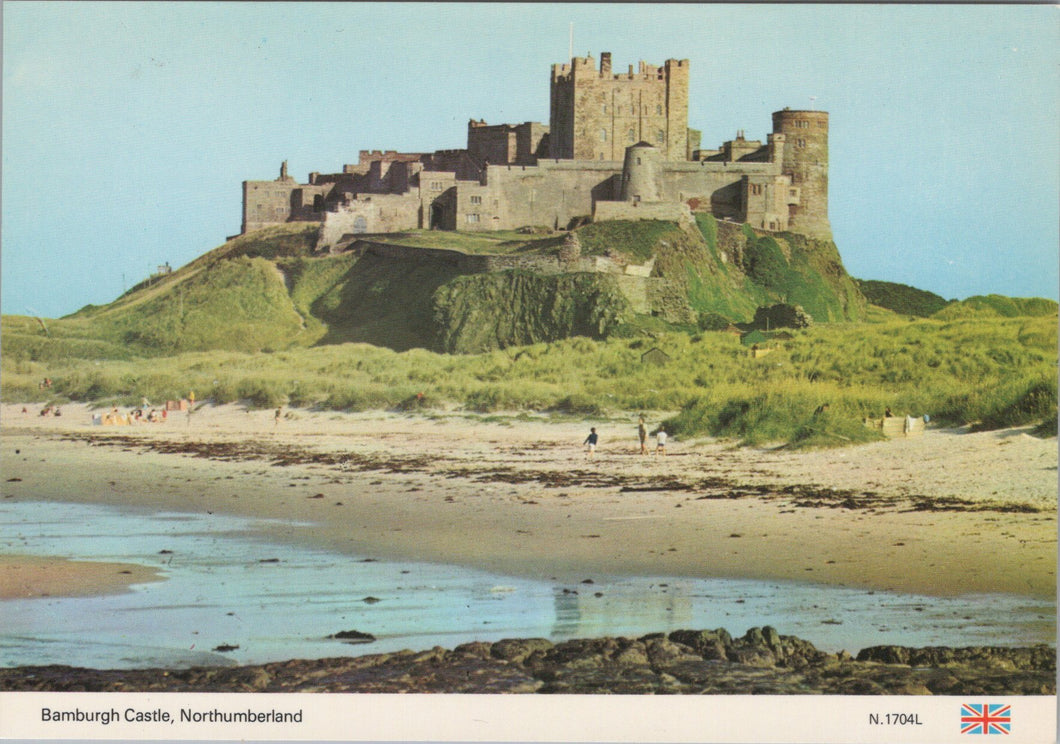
pixel 128 128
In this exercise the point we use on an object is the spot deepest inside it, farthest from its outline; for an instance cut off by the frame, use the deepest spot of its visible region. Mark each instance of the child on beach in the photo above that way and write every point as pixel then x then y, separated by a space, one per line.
pixel 590 443
pixel 660 438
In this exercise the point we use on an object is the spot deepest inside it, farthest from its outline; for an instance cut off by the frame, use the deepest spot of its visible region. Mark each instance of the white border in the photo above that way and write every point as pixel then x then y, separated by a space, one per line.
pixel 791 719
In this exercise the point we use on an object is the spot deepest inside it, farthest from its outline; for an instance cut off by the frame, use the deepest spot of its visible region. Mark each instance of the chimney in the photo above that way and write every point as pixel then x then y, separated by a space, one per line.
pixel 605 63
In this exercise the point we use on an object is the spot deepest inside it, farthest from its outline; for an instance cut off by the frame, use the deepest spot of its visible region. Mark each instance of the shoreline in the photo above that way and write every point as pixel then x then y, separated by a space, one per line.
pixel 39 577
pixel 944 514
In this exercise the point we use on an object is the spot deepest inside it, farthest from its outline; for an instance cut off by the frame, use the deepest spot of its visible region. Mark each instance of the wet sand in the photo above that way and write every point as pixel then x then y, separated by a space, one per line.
pixel 944 514
pixel 24 576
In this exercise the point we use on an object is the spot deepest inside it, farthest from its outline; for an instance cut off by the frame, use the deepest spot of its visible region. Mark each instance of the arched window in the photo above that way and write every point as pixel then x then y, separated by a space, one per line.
pixel 632 135
pixel 660 136
pixel 603 135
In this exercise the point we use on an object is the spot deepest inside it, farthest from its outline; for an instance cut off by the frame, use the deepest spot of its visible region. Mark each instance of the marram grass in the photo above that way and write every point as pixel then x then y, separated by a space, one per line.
pixel 993 372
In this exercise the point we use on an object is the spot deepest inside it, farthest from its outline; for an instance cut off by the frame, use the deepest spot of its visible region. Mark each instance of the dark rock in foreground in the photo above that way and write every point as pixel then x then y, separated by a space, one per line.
pixel 683 662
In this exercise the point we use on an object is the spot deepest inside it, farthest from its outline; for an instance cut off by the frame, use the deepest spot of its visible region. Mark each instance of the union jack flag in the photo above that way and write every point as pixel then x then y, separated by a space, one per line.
pixel 986 718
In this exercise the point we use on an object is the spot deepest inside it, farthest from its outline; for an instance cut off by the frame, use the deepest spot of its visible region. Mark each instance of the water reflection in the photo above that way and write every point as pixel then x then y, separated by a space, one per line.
pixel 227 586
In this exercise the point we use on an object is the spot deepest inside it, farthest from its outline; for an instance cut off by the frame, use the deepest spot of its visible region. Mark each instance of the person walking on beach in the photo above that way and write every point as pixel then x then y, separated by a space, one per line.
pixel 590 443
pixel 660 439
pixel 642 434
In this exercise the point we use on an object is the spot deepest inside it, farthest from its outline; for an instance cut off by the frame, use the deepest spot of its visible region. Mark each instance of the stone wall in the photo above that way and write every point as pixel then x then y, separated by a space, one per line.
pixel 378 213
pixel 667 211
pixel 275 202
pixel 551 194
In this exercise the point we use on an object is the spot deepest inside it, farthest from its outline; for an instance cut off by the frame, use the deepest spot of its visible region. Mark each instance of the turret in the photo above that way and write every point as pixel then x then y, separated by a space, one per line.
pixel 640 172
pixel 804 156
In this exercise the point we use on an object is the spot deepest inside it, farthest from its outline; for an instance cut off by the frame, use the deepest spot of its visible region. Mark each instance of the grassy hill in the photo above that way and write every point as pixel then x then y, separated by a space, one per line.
pixel 984 306
pixel 262 319
pixel 901 298
pixel 268 291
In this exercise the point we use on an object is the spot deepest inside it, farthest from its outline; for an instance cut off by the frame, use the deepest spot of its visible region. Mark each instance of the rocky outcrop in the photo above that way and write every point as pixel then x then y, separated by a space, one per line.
pixel 684 662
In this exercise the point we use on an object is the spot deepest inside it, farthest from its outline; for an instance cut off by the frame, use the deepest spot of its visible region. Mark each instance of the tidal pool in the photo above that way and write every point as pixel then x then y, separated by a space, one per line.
pixel 227 586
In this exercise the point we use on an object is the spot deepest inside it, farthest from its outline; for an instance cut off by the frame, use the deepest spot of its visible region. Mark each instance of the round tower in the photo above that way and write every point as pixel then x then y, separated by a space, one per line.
pixel 640 172
pixel 805 159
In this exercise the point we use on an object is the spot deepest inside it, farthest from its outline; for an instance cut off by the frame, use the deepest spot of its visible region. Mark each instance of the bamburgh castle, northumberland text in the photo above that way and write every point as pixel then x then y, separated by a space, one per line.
pixel 617 146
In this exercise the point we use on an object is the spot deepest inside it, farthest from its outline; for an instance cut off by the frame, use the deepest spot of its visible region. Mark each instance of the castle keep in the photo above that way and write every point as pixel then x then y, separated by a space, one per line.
pixel 617 146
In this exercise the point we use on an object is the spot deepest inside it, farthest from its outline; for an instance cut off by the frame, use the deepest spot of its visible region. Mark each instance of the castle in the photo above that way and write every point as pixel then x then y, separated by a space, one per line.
pixel 617 146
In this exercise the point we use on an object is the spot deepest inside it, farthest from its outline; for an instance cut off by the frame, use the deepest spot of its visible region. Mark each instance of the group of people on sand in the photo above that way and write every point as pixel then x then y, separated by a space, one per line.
pixel 136 416
pixel 660 435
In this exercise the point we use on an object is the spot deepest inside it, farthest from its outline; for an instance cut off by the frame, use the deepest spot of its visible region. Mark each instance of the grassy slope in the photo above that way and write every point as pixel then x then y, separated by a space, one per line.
pixel 266 292
pixel 487 311
pixel 998 306
pixel 998 371
pixel 901 298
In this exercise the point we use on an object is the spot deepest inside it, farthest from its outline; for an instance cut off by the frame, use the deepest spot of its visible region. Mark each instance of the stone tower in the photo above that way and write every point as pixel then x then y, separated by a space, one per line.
pixel 805 159
pixel 640 173
pixel 596 114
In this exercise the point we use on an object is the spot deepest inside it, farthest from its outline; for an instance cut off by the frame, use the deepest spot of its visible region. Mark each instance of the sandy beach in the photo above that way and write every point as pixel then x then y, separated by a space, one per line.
pixel 24 576
pixel 943 514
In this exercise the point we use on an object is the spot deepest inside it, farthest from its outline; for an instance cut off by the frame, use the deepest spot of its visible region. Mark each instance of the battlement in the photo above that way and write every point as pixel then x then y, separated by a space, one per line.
pixel 581 66
pixel 367 157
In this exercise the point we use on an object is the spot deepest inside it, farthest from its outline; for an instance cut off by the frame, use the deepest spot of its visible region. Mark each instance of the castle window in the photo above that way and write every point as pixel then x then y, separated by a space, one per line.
pixel 632 135
pixel 756 189
pixel 603 135
pixel 660 136
pixel 601 156
pixel 792 192
pixel 436 185
pixel 603 109
pixel 476 200
pixel 800 142
pixel 658 109
pixel 472 217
